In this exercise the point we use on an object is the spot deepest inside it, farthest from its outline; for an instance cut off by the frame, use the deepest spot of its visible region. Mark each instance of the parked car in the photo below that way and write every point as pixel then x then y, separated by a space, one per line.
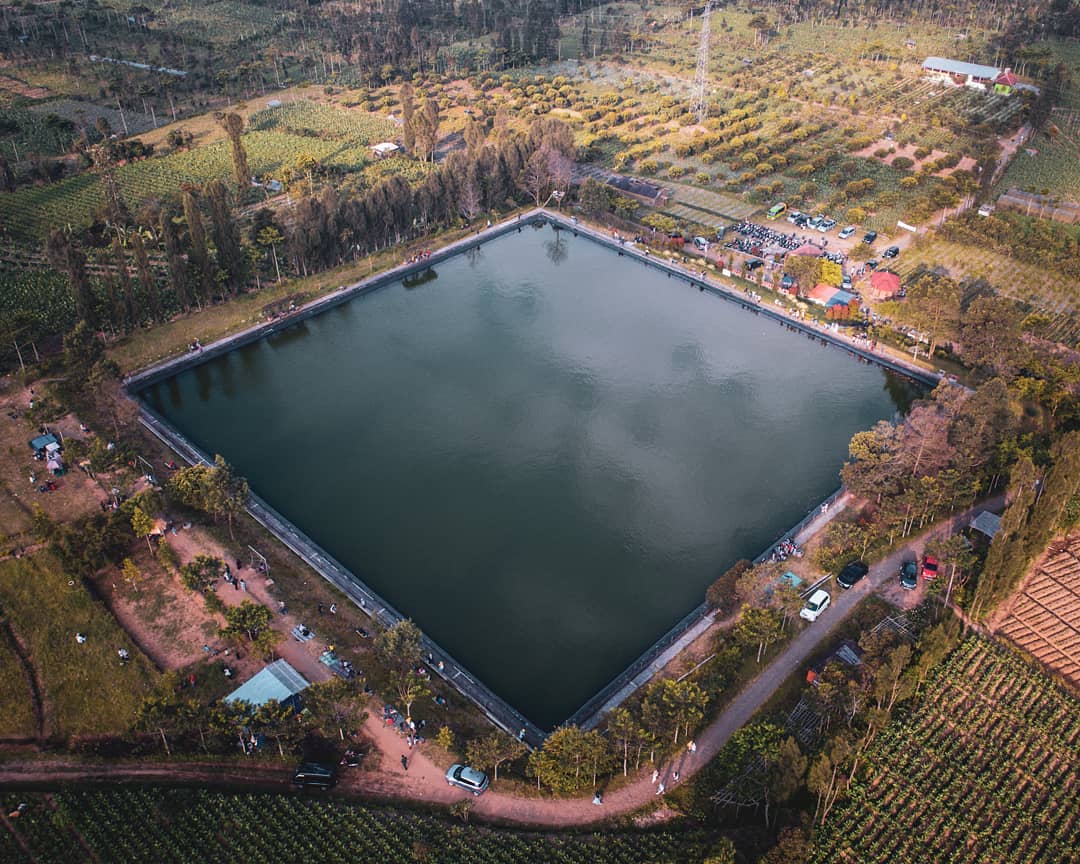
pixel 852 573
pixel 815 222
pixel 847 232
pixel 929 567
pixel 753 264
pixel 891 252
pixel 872 264
pixel 909 575
pixel 794 216
pixel 314 775
pixel 845 283
pixel 701 243
pixel 817 603
pixel 826 225
pixel 468 778
pixel 802 221
pixel 869 237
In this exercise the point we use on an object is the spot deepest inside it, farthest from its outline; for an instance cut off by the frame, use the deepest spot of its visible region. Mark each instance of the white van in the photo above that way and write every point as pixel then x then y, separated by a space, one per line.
pixel 818 603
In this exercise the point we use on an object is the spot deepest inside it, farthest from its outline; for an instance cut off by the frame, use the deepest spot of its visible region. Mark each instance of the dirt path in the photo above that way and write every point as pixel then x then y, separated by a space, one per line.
pixel 424 781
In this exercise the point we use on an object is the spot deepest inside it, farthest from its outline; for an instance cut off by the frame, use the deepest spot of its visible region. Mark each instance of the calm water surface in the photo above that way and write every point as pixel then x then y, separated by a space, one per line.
pixel 543 456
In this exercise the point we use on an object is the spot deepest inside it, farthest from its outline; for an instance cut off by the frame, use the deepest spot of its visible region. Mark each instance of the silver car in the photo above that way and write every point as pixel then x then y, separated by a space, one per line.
pixel 468 778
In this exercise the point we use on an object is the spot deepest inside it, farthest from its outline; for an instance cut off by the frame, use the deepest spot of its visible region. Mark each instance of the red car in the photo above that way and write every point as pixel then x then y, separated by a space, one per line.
pixel 929 567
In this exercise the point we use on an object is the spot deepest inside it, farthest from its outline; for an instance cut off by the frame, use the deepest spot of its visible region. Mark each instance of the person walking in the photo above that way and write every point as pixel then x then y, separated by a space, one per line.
pixel 655 776
pixel 404 762
pixel 333 608
pixel 660 789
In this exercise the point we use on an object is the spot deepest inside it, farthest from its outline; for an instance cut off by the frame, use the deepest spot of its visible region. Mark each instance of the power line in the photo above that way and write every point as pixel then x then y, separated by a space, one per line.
pixel 697 105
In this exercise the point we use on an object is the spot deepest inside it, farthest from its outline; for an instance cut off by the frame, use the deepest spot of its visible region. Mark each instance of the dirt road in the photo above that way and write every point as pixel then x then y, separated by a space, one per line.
pixel 424 781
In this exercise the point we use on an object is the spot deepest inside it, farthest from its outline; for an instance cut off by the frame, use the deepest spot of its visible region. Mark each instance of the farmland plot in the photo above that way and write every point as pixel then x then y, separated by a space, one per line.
pixel 987 768
pixel 1044 617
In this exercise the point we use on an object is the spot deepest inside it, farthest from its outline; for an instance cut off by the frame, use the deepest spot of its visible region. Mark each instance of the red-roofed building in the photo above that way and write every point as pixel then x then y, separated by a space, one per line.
pixel 821 293
pixel 807 249
pixel 1005 82
pixel 884 285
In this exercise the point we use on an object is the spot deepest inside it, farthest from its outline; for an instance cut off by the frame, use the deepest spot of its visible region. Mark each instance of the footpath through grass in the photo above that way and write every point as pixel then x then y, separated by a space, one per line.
pixel 85 687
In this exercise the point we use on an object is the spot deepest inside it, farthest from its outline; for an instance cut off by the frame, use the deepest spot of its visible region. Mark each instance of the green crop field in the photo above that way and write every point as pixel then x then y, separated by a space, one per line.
pixel 195 825
pixel 86 688
pixel 987 768
pixel 1054 170
pixel 1053 292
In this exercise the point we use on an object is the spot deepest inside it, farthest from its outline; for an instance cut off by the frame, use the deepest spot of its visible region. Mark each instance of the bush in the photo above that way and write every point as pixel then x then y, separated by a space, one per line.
pixel 702 178
pixel 902 163
pixel 676 171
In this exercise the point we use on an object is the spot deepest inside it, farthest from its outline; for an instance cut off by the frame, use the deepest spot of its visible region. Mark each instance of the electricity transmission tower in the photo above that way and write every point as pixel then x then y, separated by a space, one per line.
pixel 697 105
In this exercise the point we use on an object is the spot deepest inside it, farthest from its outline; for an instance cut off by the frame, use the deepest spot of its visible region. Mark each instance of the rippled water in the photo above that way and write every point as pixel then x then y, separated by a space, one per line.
pixel 544 455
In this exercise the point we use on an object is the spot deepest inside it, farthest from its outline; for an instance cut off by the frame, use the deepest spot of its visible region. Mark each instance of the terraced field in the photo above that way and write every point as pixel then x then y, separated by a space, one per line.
pixel 1053 292
pixel 1044 617
pixel 717 204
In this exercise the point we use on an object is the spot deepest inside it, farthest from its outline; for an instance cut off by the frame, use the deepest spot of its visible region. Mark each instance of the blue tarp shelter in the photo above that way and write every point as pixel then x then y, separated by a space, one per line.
pixel 41 442
pixel 277 681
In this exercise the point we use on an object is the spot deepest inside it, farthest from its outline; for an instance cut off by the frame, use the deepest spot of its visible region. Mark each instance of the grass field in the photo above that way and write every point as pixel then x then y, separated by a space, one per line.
pixel 1053 292
pixel 86 689
pixel 16 708
pixel 985 769
pixel 182 825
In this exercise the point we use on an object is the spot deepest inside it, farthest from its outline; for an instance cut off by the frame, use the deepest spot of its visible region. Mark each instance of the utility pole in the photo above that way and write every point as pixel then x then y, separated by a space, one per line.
pixel 697 104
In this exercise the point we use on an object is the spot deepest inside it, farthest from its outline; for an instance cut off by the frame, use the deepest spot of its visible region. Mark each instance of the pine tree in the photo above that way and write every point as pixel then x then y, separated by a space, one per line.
pixel 234 126
pixel 198 254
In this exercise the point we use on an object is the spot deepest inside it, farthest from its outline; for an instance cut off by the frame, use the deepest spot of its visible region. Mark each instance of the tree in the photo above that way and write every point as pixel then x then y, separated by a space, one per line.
pixel 230 252
pixel 537 177
pixel 933 306
pixel 201 573
pixel 594 197
pixel 271 236
pixel 249 620
pixel 131 573
pixel 335 704
pixel 568 759
pixel 166 713
pixel 493 750
pixel 623 730
pixel 408 686
pixel 990 334
pixel 233 124
pixel 198 253
pixel 723 590
pixel 174 257
pixel 721 852
pixel 146 276
pixel 787 772
pixel 64 254
pixel 760 627
pixel 281 722
pixel 408 113
pixel 142 525
pixel 685 703
pixel 791 848
pixel 827 778
pixel 82 350
pixel 399 646
pixel 231 493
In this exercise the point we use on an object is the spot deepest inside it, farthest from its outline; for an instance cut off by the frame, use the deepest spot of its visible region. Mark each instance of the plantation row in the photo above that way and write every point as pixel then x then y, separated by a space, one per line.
pixel 187 826
pixel 30 213
pixel 986 769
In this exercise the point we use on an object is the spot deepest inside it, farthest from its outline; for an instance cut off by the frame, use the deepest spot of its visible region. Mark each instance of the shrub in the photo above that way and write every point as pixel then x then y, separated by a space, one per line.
pixel 902 163
pixel 703 178
pixel 676 171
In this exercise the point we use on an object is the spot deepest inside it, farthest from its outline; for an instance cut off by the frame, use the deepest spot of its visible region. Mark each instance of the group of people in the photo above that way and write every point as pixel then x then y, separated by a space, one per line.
pixel 195 347
pixel 786 549
pixel 419 256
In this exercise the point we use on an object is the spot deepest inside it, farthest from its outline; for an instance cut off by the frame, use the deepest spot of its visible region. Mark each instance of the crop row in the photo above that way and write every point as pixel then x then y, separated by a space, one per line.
pixel 189 825
pixel 986 768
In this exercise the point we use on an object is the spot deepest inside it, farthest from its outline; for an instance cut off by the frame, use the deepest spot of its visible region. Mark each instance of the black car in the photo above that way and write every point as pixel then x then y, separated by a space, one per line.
pixel 909 575
pixel 891 252
pixel 313 775
pixel 753 264
pixel 851 574
pixel 869 237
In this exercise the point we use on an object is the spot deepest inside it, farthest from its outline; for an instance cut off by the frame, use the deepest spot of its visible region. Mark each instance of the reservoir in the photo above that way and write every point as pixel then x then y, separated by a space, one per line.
pixel 543 452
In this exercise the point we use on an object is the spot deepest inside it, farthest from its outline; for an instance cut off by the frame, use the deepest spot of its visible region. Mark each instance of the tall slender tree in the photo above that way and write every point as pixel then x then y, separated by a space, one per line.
pixel 198 252
pixel 64 254
pixel 230 252
pixel 234 126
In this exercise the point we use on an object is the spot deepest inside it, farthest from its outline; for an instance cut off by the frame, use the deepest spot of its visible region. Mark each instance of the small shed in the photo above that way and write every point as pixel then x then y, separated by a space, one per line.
pixel 847 652
pixel 969 74
pixel 384 149
pixel 829 295
pixel 884 285
pixel 986 523
pixel 278 681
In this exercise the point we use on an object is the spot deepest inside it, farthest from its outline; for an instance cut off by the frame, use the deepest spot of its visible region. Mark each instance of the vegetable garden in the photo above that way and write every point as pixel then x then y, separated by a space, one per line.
pixel 986 769
pixel 196 825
